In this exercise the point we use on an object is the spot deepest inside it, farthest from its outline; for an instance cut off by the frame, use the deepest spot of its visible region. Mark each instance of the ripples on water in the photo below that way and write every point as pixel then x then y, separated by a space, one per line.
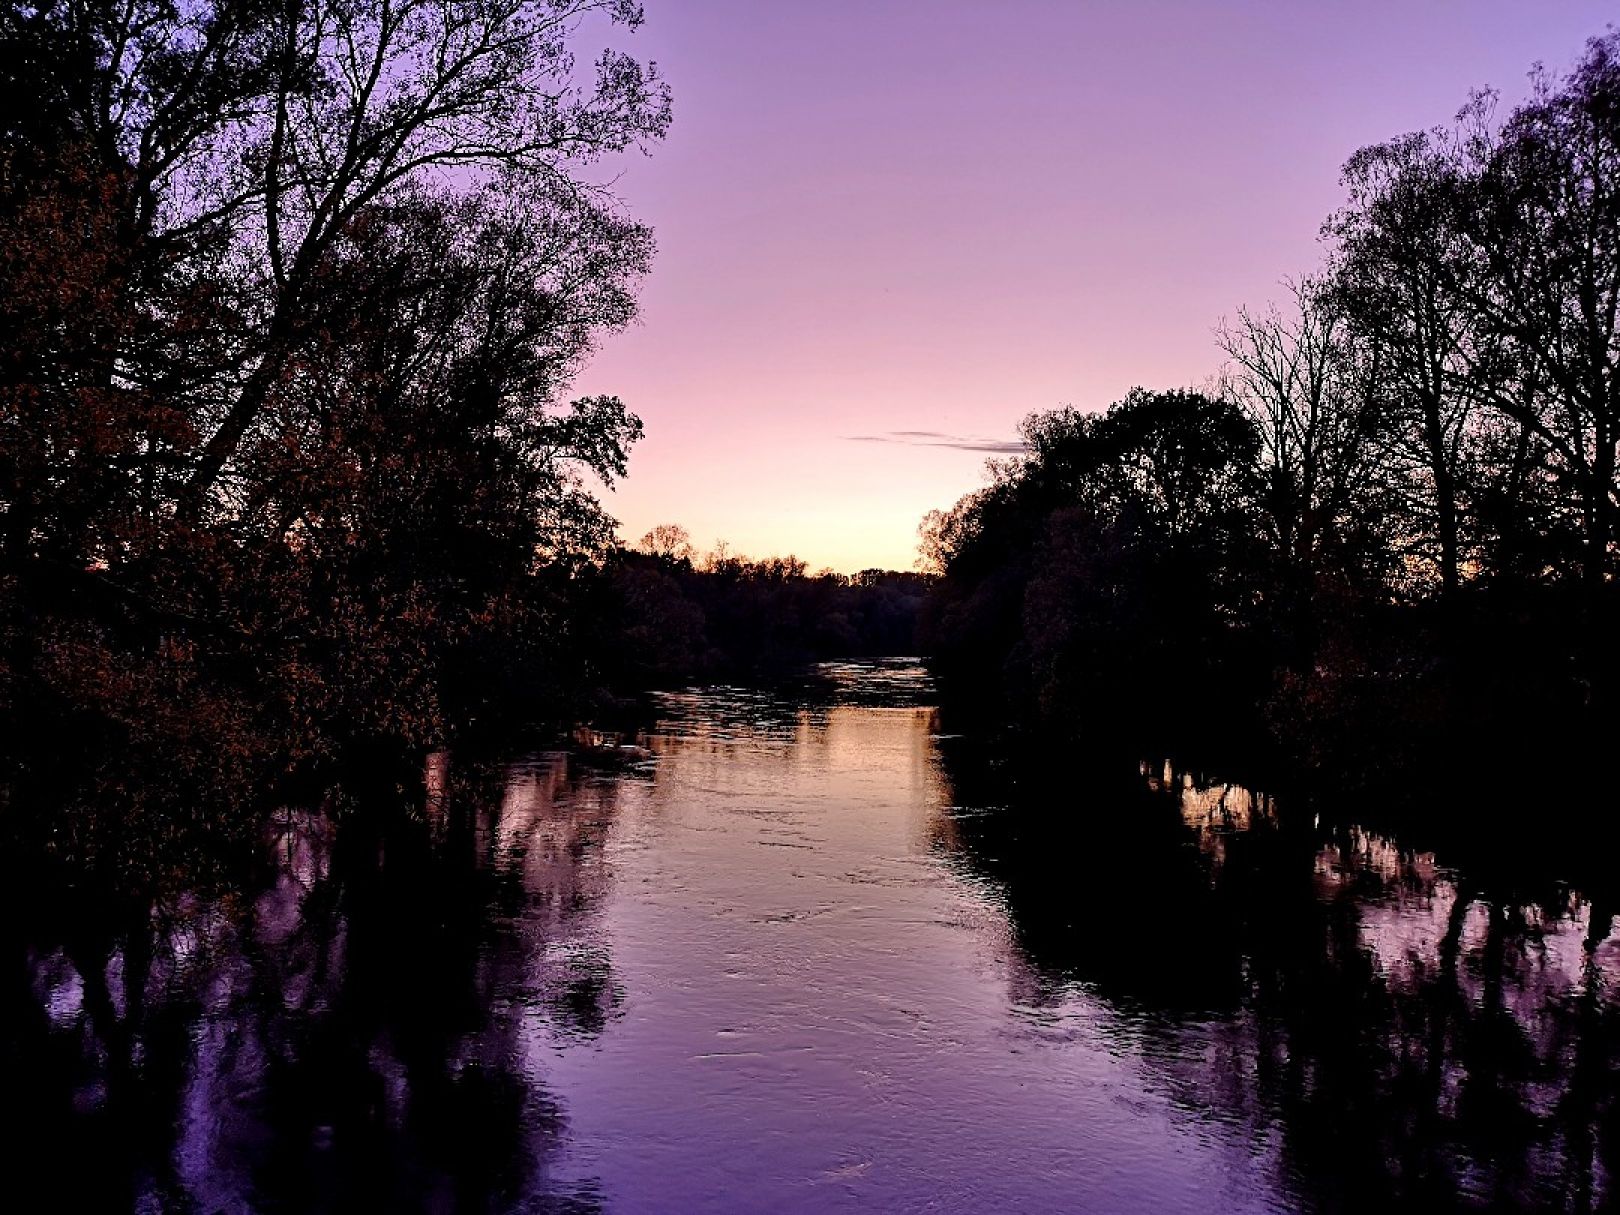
pixel 813 955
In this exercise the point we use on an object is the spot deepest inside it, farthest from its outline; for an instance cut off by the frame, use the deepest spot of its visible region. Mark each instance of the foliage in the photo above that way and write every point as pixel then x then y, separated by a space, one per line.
pixel 293 295
pixel 1106 564
pixel 1391 529
pixel 680 618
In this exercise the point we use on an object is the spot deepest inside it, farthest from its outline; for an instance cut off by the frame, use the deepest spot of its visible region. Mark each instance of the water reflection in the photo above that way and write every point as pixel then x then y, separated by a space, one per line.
pixel 814 955
pixel 1404 1035
pixel 354 1036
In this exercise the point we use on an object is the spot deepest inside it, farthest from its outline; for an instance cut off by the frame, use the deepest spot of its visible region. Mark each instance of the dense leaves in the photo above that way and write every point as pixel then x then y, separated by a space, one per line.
pixel 1103 567
pixel 292 296
pixel 1390 529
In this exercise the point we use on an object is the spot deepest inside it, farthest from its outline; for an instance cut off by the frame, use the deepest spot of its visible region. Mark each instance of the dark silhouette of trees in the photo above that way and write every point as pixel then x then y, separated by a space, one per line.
pixel 1104 564
pixel 247 141
pixel 669 541
pixel 1545 250
pixel 1390 531
pixel 678 617
pixel 288 470
pixel 1310 387
pixel 1484 259
pixel 1389 283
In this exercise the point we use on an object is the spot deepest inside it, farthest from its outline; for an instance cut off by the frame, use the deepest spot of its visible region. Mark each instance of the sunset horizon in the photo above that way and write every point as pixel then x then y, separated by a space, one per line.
pixel 700 607
pixel 977 216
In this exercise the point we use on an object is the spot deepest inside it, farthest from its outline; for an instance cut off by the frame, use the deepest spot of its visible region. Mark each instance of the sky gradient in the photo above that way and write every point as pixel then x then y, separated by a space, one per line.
pixel 889 230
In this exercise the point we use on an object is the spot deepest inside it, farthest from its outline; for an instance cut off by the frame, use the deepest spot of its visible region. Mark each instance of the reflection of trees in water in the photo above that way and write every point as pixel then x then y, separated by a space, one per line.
pixel 360 1034
pixel 1407 1035
pixel 784 710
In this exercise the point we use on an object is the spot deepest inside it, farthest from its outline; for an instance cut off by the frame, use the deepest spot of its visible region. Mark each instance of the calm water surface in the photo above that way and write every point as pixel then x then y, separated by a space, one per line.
pixel 813 956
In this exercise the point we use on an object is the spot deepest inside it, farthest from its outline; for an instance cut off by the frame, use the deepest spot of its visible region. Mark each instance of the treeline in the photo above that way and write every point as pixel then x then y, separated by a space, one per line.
pixel 685 617
pixel 290 297
pixel 1387 528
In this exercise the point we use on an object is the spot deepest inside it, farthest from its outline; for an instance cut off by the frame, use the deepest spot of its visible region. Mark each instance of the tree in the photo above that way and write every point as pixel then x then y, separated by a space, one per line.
pixel 293 296
pixel 1308 388
pixel 1396 279
pixel 1543 277
pixel 414 473
pixel 1104 564
pixel 1181 460
pixel 249 140
pixel 1484 261
pixel 669 541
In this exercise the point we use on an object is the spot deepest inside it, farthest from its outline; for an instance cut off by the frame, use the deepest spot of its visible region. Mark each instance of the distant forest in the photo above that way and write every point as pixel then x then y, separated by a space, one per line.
pixel 292 484
pixel 685 617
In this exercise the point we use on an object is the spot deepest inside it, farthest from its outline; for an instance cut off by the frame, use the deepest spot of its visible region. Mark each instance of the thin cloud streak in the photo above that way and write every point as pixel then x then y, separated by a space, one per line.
pixel 935 438
pixel 828 266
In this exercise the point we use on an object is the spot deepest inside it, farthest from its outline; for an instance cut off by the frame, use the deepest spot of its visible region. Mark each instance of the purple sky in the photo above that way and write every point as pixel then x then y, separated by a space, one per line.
pixel 883 217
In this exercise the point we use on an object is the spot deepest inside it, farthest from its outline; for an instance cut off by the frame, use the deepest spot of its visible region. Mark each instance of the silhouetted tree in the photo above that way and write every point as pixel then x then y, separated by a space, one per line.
pixel 670 541
pixel 1485 260
pixel 294 294
pixel 1103 564
pixel 677 620
pixel 1392 284
pixel 1310 389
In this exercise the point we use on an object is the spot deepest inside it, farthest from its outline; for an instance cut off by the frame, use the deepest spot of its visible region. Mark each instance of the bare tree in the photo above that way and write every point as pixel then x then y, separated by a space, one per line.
pixel 1484 258
pixel 669 541
pixel 1307 387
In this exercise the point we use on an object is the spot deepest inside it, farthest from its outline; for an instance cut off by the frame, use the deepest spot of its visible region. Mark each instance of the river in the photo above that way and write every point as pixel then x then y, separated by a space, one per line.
pixel 810 954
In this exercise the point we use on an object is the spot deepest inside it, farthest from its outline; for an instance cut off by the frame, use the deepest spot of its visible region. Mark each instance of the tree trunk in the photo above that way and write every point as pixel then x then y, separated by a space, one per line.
pixel 1600 659
pixel 1445 495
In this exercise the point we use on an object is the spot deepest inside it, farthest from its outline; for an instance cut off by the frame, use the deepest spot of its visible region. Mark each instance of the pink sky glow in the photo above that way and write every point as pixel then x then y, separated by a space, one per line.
pixel 877 217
